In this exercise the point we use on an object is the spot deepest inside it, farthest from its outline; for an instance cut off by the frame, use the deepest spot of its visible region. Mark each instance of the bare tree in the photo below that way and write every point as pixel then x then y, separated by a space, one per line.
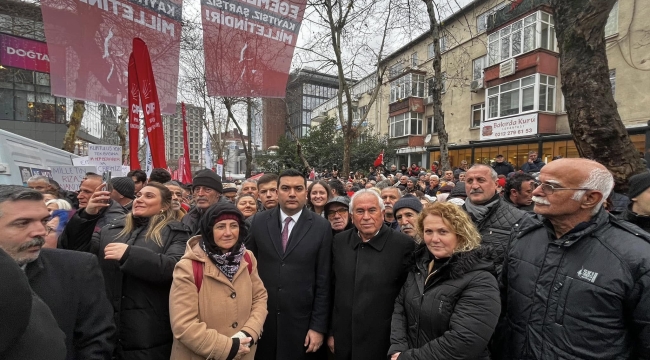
pixel 595 123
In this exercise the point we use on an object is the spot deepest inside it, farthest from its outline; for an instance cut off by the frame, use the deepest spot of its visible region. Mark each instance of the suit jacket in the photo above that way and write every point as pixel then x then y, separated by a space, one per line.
pixel 72 285
pixel 297 281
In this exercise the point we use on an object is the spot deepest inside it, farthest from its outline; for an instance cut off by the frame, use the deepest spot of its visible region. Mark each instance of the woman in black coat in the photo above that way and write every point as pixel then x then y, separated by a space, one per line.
pixel 450 304
pixel 137 255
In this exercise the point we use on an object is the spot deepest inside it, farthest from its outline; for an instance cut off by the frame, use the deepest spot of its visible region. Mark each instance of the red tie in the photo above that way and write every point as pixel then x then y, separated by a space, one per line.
pixel 285 233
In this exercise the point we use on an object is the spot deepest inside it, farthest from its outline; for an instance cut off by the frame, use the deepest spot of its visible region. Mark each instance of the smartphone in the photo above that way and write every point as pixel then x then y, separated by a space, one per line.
pixel 106 178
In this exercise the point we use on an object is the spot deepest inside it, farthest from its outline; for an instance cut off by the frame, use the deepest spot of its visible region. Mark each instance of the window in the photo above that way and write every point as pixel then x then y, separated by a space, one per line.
pixel 611 27
pixel 477 67
pixel 407 86
pixel 414 60
pixel 430 125
pixel 395 70
pixel 535 92
pixel 430 51
pixel 409 123
pixel 431 82
pixel 481 20
pixel 477 115
pixel 612 79
pixel 534 31
pixel 443 44
pixel 546 93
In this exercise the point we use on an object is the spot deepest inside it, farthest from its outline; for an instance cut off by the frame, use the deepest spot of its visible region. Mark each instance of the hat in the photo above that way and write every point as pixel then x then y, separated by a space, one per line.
pixel 208 178
pixel 228 188
pixel 638 184
pixel 343 200
pixel 408 201
pixel 227 216
pixel 125 186
pixel 413 179
pixel 458 190
pixel 499 155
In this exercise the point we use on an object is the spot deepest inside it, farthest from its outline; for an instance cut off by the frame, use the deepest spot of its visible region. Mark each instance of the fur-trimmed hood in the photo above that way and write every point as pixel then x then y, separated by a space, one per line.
pixel 461 263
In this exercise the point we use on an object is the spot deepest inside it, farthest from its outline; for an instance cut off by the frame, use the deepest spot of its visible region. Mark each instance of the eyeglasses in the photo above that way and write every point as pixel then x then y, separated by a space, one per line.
pixel 48 230
pixel 341 212
pixel 549 189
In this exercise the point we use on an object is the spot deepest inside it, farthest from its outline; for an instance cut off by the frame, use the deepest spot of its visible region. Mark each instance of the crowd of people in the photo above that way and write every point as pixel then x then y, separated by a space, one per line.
pixel 476 262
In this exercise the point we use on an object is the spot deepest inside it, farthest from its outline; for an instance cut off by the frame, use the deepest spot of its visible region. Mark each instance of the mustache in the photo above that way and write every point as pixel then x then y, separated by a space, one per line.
pixel 407 226
pixel 37 241
pixel 476 191
pixel 539 200
pixel 201 198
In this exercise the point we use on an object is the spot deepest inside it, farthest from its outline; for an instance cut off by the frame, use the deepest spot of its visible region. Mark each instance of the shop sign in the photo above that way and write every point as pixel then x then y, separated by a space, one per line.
pixel 24 53
pixel 514 126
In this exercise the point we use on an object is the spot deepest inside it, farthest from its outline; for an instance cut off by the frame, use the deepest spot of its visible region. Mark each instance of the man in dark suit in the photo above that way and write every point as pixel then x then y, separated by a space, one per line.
pixel 293 250
pixel 70 283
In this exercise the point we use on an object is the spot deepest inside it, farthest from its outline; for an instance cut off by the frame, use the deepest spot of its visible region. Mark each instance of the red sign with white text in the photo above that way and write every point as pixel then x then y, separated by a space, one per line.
pixel 24 53
pixel 249 45
pixel 89 43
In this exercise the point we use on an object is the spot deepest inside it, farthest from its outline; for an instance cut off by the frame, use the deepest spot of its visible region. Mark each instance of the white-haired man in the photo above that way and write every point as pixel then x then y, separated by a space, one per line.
pixel 492 216
pixel 370 263
pixel 576 280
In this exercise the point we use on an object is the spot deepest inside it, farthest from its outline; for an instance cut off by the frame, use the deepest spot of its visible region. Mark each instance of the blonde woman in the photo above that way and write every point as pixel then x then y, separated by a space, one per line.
pixel 137 254
pixel 449 306
pixel 217 301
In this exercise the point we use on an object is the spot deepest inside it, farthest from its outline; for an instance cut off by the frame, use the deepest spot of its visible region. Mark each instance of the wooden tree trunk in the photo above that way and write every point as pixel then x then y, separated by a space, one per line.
pixel 595 124
pixel 438 115
pixel 78 110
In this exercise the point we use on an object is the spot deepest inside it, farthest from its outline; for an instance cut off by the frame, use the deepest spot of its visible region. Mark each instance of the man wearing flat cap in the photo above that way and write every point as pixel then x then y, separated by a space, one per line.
pixel 338 214
pixel 638 212
pixel 206 190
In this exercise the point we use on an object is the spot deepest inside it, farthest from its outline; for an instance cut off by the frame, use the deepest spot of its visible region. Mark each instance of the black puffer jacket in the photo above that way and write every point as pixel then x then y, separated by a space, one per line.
pixel 641 221
pixel 138 285
pixel 495 229
pixel 583 296
pixel 454 315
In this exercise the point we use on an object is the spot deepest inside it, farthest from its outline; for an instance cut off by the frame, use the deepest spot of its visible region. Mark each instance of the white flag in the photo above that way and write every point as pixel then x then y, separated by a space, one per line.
pixel 149 160
pixel 208 154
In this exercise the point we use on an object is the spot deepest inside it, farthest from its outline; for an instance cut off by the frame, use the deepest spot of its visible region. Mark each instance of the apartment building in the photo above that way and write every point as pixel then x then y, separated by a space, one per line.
pixel 173 129
pixel 501 89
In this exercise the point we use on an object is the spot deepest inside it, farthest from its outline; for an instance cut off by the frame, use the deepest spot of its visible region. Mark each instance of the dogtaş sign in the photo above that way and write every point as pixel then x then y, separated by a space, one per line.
pixel 249 45
pixel 24 53
pixel 89 43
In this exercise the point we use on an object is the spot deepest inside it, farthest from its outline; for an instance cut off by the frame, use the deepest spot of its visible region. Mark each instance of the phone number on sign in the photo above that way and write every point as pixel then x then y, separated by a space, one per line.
pixel 513 132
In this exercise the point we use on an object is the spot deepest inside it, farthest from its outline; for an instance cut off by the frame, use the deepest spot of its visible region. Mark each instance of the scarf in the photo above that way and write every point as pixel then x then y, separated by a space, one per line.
pixel 478 212
pixel 227 263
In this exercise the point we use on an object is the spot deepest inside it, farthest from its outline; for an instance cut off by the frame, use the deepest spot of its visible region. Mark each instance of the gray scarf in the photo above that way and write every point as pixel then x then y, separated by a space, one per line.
pixel 478 212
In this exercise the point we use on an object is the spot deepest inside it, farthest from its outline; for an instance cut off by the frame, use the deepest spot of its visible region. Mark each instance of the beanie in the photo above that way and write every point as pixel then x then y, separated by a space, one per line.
pixel 208 178
pixel 459 190
pixel 638 184
pixel 227 216
pixel 124 186
pixel 414 180
pixel 229 188
pixel 408 201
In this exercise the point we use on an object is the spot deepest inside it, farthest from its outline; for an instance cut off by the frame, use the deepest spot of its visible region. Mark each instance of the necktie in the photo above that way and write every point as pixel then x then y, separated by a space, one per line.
pixel 285 233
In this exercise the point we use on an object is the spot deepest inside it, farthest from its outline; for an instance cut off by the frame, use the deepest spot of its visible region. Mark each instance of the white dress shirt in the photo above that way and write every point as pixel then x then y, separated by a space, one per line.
pixel 295 218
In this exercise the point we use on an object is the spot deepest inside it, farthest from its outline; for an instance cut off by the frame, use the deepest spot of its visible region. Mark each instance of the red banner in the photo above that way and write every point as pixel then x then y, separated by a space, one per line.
pixel 89 42
pixel 134 115
pixel 149 99
pixel 185 171
pixel 24 53
pixel 249 45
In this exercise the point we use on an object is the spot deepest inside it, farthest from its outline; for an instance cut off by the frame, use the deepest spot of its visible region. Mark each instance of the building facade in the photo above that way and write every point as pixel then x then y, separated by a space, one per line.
pixel 173 129
pixel 502 85
pixel 306 90
pixel 27 107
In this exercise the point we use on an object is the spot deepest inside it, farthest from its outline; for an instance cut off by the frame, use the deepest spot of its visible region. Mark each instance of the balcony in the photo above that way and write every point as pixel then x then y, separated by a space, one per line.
pixel 413 104
pixel 407 141
pixel 512 12
pixel 538 61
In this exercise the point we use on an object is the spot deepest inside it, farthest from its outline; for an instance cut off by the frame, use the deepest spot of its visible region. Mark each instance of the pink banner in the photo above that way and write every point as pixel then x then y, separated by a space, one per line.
pixel 249 45
pixel 24 53
pixel 89 43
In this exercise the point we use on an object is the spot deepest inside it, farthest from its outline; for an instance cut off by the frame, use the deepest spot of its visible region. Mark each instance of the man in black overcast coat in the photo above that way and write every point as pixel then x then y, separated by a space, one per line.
pixel 297 278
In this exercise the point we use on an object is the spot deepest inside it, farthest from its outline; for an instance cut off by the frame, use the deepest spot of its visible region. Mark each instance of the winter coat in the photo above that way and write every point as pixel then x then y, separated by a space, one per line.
pixel 84 225
pixel 528 208
pixel 367 278
pixel 503 168
pixel 138 285
pixel 191 219
pixel 297 281
pixel 450 316
pixel 495 228
pixel 641 221
pixel 72 286
pixel 619 202
pixel 203 330
pixel 585 295
pixel 432 191
pixel 536 166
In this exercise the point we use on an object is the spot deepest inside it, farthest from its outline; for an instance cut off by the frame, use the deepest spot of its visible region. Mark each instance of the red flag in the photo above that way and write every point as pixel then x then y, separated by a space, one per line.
pixel 134 115
pixel 175 175
pixel 312 174
pixel 186 170
pixel 149 101
pixel 380 159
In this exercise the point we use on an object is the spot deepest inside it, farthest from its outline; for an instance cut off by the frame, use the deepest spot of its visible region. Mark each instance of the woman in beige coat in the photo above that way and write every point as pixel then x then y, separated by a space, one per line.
pixel 217 303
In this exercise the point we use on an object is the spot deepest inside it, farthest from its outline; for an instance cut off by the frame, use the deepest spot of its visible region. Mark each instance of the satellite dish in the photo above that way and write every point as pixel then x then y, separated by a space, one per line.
pixel 428 138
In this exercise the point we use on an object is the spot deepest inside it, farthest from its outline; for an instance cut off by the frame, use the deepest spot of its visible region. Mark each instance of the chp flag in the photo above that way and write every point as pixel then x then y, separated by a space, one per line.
pixel 249 45
pixel 89 42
